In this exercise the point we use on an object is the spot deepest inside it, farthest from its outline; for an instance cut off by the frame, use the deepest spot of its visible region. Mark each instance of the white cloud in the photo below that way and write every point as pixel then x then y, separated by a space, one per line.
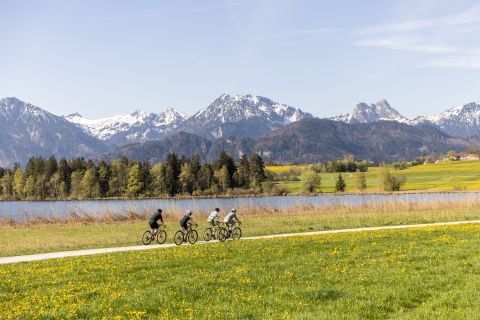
pixel 469 16
pixel 469 60
pixel 407 43
pixel 445 38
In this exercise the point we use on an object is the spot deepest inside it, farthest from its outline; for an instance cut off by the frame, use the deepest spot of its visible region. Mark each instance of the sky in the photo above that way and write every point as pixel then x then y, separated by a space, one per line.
pixel 108 57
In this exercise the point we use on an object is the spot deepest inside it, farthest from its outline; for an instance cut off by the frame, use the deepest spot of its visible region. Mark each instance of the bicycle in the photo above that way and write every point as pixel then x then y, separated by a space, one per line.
pixel 191 237
pixel 211 232
pixel 160 236
pixel 224 232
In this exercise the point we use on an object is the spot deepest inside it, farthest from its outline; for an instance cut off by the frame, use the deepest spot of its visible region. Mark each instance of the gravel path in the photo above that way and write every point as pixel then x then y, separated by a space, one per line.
pixel 86 252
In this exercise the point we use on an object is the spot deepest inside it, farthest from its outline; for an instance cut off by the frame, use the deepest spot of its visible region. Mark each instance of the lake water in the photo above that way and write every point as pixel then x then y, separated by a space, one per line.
pixel 19 210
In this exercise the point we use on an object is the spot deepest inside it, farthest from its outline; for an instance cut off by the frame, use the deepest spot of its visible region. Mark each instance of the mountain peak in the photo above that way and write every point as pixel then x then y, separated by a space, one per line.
pixel 242 115
pixel 73 115
pixel 138 114
pixel 366 113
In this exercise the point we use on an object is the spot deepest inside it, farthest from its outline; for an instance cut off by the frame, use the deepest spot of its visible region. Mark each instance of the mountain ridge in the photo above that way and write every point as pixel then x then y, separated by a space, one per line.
pixel 306 141
pixel 28 131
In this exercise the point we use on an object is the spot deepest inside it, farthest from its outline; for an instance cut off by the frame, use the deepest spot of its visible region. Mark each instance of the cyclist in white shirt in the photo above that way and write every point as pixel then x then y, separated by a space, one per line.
pixel 214 217
pixel 231 218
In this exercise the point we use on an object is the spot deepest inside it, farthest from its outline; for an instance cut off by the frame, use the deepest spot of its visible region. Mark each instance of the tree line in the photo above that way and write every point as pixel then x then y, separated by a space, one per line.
pixel 84 179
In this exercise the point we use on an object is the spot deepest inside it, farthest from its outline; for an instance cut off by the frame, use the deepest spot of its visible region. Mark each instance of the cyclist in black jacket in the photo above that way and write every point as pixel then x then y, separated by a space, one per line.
pixel 153 222
pixel 185 221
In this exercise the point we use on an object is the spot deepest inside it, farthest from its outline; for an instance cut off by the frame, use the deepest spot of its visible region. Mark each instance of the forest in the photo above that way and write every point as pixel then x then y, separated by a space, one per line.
pixel 79 178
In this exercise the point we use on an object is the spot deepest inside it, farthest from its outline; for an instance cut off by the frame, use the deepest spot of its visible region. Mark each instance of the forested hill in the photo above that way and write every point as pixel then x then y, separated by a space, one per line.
pixel 314 140
pixel 306 141
pixel 184 144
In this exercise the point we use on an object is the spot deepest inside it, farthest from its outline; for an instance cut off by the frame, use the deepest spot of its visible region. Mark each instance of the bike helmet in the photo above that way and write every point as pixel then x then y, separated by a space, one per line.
pixel 233 210
pixel 189 212
pixel 217 209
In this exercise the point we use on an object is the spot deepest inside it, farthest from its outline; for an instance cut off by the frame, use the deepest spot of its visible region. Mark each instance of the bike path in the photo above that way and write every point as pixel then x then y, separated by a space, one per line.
pixel 87 252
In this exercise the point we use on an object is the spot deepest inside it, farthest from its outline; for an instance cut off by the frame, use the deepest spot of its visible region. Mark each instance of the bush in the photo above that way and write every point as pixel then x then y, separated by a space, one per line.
pixel 310 181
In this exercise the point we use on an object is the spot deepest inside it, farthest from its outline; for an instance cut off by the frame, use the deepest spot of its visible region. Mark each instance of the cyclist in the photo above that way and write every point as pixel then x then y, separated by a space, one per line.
pixel 231 218
pixel 153 222
pixel 213 219
pixel 185 222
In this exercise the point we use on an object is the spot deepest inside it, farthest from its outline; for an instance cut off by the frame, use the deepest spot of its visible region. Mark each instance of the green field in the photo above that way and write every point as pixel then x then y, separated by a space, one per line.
pixel 426 273
pixel 27 239
pixel 433 177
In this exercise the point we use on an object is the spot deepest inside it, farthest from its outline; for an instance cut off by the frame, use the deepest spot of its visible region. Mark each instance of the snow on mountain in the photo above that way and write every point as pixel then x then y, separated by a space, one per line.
pixel 367 113
pixel 28 131
pixel 242 116
pixel 135 127
pixel 461 121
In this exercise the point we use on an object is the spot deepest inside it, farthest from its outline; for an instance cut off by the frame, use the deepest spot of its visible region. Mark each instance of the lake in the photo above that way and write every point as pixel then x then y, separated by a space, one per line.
pixel 19 210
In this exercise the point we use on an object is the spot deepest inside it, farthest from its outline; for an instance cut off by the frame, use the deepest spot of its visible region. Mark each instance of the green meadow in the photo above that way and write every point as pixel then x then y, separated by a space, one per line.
pixel 422 273
pixel 432 177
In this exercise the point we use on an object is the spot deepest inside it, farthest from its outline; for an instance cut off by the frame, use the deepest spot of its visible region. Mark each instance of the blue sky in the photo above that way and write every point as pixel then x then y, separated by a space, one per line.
pixel 109 57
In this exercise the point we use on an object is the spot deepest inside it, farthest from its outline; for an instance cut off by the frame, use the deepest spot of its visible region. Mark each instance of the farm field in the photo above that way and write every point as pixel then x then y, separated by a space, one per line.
pixel 424 273
pixel 432 177
pixel 37 238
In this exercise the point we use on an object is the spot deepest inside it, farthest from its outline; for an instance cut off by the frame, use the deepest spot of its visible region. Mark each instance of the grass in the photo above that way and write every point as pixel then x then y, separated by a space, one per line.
pixel 425 273
pixel 79 233
pixel 433 177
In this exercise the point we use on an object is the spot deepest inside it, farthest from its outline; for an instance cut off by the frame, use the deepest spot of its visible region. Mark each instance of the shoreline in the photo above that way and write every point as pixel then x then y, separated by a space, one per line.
pixel 318 194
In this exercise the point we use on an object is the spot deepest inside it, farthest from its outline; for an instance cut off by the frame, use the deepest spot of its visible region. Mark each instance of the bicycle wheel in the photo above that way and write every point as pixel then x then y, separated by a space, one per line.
pixel 192 236
pixel 207 234
pixel 236 233
pixel 161 236
pixel 222 234
pixel 178 239
pixel 147 237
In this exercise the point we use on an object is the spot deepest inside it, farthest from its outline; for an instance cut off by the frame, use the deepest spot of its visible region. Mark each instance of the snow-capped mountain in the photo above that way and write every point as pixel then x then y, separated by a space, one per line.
pixel 138 126
pixel 460 121
pixel 367 113
pixel 27 130
pixel 242 116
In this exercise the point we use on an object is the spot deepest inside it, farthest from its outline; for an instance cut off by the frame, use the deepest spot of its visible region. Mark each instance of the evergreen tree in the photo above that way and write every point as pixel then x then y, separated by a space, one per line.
pixel 7 184
pixel 51 166
pixel 78 164
pixel 64 172
pixel 257 170
pixel 145 174
pixel 225 160
pixel 195 168
pixel 103 178
pixel 243 173
pixel 172 173
pixel 340 185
